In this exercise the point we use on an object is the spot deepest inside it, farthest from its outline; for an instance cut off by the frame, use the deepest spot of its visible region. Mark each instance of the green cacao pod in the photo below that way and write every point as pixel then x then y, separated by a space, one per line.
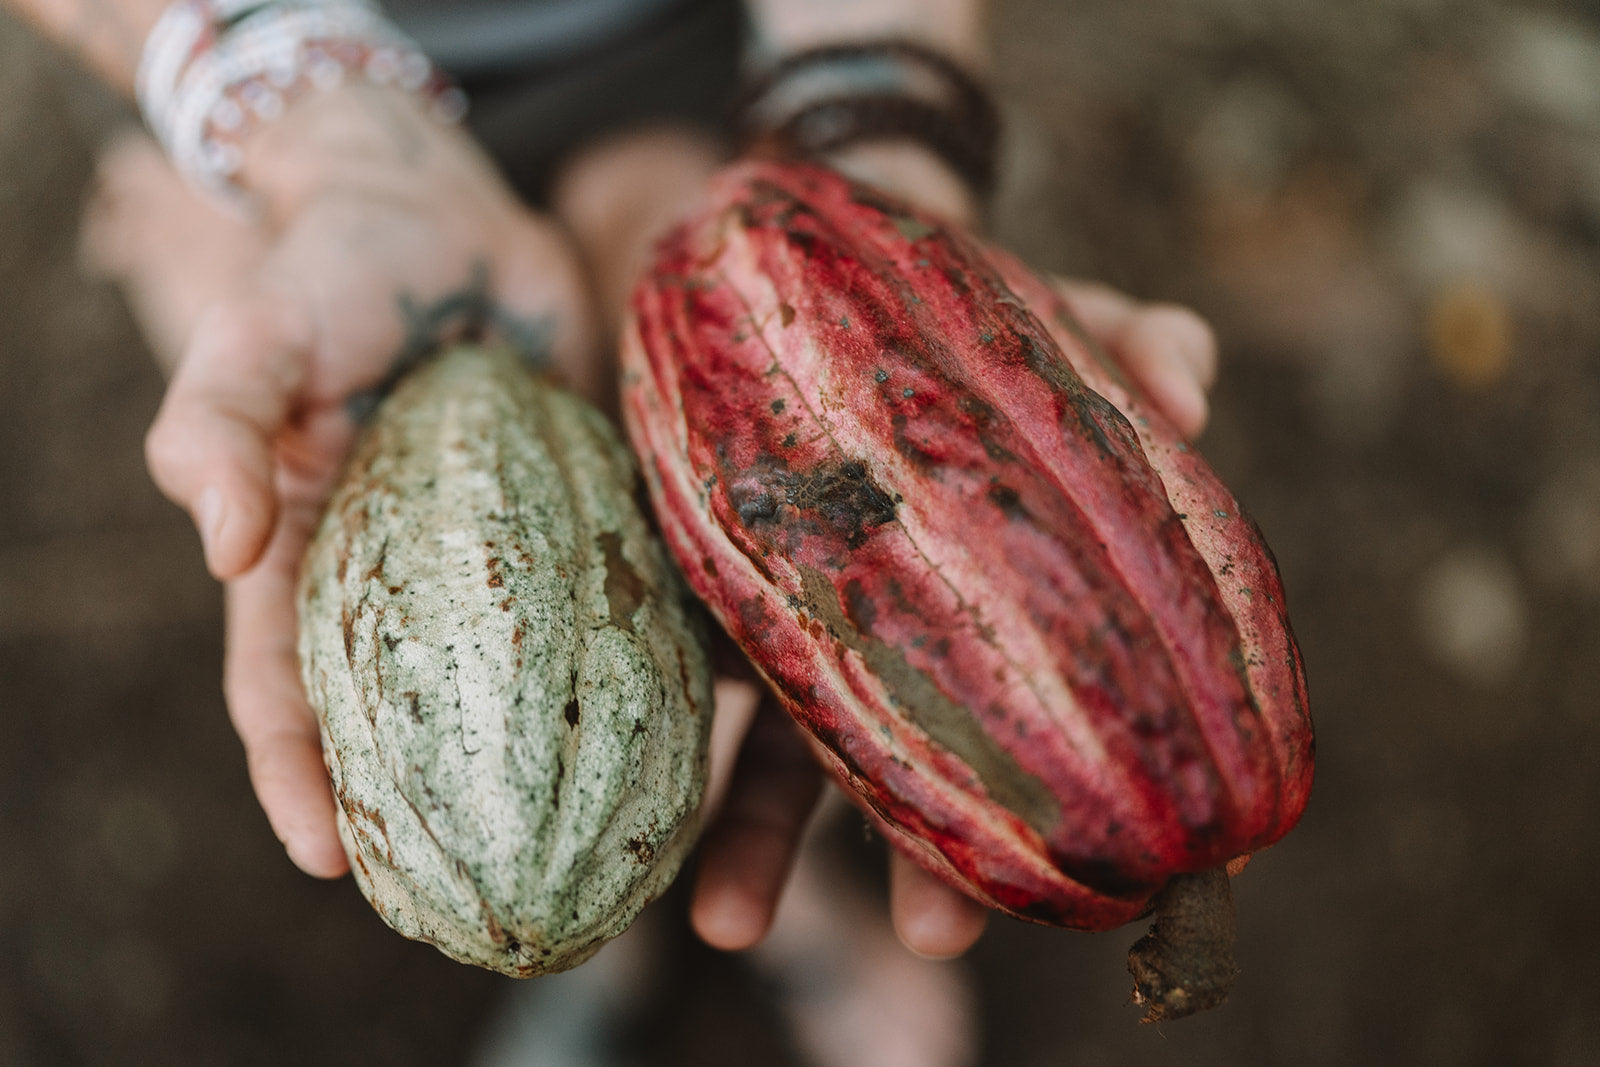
pixel 509 674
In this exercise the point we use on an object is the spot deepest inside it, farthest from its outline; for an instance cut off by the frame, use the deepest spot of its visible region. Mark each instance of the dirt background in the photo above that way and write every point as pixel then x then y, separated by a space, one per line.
pixel 1391 212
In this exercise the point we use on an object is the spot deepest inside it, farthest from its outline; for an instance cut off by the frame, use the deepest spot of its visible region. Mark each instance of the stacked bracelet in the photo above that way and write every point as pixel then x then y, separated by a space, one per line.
pixel 827 98
pixel 213 70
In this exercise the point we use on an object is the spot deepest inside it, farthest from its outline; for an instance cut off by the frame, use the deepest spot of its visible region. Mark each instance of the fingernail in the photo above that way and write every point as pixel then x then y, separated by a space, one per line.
pixel 1194 411
pixel 1196 346
pixel 208 516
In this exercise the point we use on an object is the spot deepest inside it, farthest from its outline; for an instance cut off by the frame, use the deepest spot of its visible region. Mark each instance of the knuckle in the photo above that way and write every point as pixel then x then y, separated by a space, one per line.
pixel 227 325
pixel 1185 320
pixel 166 450
pixel 1185 331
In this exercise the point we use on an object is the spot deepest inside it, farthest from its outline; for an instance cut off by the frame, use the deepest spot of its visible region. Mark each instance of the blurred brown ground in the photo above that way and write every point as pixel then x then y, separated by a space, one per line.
pixel 1390 209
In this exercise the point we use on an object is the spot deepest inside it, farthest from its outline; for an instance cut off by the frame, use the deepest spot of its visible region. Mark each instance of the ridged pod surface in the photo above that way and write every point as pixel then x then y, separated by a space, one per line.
pixel 1018 614
pixel 512 688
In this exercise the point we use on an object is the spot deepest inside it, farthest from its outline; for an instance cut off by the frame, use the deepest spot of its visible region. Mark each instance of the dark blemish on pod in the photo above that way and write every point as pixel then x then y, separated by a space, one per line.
pixel 1102 875
pixel 572 712
pixel 756 509
pixel 778 406
pixel 1008 500
pixel 843 495
pixel 347 623
pixel 785 314
pixel 754 618
pixel 846 497
pixel 804 241
pixel 375 572
pixel 862 609
pixel 994 449
pixel 903 444
pixel 625 589
pixel 977 410
pixel 913 229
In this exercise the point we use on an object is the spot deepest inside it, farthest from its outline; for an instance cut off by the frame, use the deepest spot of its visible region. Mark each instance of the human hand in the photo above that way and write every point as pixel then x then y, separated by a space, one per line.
pixel 764 782
pixel 383 233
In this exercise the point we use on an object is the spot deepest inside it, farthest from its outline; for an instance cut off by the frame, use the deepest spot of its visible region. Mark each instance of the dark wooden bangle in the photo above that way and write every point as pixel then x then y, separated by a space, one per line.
pixel 961 125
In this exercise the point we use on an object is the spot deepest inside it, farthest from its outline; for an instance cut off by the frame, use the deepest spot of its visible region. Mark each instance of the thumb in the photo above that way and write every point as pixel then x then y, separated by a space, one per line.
pixel 210 447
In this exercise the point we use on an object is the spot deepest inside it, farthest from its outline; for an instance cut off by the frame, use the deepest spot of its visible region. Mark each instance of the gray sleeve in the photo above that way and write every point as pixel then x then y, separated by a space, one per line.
pixel 469 37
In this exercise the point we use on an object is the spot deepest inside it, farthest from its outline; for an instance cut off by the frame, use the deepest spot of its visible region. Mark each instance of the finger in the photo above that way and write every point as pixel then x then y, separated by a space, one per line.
pixel 261 681
pixel 736 702
pixel 1184 340
pixel 1106 314
pixel 541 293
pixel 172 253
pixel 1102 310
pixel 930 918
pixel 746 855
pixel 618 195
pixel 210 448
pixel 1168 351
pixel 1191 336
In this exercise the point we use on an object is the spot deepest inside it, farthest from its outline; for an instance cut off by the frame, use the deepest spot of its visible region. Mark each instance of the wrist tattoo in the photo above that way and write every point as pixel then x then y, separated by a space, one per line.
pixel 469 314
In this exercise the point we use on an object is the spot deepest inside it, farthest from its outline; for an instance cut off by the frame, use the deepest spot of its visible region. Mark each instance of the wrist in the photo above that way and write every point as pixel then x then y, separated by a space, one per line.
pixel 954 28
pixel 215 72
pixel 891 112
pixel 382 140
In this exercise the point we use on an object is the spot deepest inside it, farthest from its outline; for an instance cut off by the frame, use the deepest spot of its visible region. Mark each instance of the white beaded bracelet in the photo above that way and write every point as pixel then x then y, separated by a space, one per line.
pixel 213 70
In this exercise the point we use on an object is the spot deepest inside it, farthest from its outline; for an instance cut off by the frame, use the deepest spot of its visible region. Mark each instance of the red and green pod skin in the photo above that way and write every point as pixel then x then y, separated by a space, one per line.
pixel 1019 615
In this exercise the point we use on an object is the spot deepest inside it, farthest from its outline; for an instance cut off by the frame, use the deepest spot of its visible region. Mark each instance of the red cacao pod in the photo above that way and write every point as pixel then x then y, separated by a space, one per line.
pixel 1018 613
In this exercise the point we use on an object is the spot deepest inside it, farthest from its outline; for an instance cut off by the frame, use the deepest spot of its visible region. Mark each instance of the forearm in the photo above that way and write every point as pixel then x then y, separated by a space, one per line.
pixel 953 27
pixel 107 35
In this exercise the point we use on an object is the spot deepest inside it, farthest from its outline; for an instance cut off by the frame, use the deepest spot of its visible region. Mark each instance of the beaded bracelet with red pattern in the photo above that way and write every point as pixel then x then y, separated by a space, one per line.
pixel 213 71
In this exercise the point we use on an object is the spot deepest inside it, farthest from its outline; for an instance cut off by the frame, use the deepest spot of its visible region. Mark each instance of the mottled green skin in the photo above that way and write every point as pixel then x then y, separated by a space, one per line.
pixel 509 674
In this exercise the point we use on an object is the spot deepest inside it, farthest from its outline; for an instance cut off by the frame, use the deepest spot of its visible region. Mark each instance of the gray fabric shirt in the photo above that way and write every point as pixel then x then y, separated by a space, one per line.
pixel 471 37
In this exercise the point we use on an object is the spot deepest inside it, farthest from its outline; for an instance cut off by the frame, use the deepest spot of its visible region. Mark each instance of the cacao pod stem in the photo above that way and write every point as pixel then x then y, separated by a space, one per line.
pixel 1185 963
